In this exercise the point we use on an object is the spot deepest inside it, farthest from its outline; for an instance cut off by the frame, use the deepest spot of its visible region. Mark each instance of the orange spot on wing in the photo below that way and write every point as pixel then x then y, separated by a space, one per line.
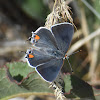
pixel 30 56
pixel 37 37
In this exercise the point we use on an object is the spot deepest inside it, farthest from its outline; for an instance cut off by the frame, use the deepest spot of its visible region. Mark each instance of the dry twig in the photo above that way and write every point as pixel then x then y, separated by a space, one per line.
pixel 94 59
pixel 81 42
pixel 91 8
pixel 59 14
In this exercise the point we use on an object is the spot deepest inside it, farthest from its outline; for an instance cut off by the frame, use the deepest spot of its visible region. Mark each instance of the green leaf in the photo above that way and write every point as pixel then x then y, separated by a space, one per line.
pixel 78 88
pixel 31 83
pixel 36 9
pixel 19 69
pixel 18 79
pixel 67 81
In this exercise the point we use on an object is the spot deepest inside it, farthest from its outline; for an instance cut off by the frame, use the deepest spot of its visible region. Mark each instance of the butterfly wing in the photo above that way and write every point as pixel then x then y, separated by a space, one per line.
pixel 49 70
pixel 45 58
pixel 46 40
pixel 39 57
pixel 63 33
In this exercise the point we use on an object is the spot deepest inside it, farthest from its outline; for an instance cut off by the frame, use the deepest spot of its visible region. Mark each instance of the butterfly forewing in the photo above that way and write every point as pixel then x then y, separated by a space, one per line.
pixel 46 40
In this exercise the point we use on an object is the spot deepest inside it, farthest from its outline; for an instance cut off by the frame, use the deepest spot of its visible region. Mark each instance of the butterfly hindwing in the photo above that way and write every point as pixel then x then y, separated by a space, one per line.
pixel 50 69
pixel 39 57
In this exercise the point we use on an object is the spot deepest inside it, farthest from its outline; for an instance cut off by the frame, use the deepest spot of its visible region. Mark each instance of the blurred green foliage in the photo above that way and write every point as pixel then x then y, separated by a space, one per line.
pixel 97 8
pixel 35 8
pixel 92 20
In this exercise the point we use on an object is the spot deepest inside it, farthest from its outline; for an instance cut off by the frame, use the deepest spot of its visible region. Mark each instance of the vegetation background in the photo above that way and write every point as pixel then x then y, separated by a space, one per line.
pixel 19 17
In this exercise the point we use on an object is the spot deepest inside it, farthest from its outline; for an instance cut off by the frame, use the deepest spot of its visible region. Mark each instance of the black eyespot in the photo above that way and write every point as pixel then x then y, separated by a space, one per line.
pixel 30 52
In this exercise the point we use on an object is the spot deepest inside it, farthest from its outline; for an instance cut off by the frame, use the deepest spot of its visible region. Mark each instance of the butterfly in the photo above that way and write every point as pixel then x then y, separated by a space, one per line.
pixel 49 47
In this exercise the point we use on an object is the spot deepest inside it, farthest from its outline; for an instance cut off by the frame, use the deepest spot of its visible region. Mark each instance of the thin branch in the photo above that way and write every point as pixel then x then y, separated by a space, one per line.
pixel 94 59
pixel 91 8
pixel 59 14
pixel 13 46
pixel 81 42
pixel 85 30
pixel 77 34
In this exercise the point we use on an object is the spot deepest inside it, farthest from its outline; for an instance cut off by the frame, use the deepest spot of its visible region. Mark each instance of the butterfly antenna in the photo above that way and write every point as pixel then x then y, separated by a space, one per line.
pixel 67 57
pixel 23 52
pixel 29 39
pixel 70 65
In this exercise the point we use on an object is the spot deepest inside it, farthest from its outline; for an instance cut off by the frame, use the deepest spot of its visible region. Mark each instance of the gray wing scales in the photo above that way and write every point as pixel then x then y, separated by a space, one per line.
pixel 50 69
pixel 63 34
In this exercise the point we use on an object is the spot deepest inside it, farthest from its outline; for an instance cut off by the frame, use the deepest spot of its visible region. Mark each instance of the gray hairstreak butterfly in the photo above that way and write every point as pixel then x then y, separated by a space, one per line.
pixel 49 48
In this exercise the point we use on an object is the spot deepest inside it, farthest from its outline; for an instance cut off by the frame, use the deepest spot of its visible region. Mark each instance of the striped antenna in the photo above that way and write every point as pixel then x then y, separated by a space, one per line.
pixel 67 57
